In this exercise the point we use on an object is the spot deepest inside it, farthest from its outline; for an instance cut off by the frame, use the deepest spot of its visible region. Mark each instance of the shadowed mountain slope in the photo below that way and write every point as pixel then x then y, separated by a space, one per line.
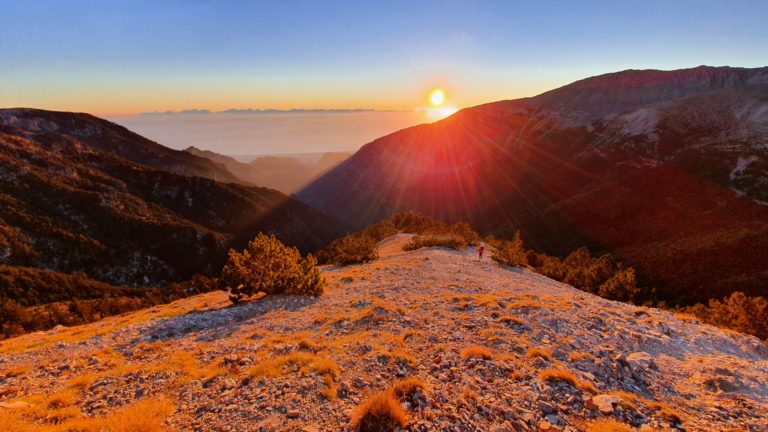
pixel 667 169
pixel 70 201
pixel 284 173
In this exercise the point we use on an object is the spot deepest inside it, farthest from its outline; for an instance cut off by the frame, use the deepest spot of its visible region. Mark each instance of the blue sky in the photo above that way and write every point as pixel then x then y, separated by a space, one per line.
pixel 110 57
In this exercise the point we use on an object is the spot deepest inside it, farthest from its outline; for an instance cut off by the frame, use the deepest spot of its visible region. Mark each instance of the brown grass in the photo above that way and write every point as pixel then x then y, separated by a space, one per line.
pixel 468 395
pixel 7 391
pixel 554 375
pixel 147 415
pixel 490 334
pixel 407 335
pixel 403 389
pixel 540 352
pixel 301 362
pixel 58 413
pixel 16 371
pixel 506 319
pixel 607 425
pixel 577 356
pixel 187 363
pixel 476 351
pixel 630 401
pixel 666 411
pixel 686 317
pixel 331 388
pixel 524 304
pixel 379 413
pixel 62 399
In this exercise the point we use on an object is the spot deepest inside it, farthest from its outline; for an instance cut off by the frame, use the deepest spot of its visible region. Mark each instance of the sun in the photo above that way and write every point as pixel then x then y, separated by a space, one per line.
pixel 437 97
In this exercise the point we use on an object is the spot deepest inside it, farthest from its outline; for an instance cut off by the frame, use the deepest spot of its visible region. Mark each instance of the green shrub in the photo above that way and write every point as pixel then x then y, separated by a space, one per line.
pixel 354 248
pixel 509 252
pixel 268 266
pixel 738 312
pixel 621 286
pixel 448 240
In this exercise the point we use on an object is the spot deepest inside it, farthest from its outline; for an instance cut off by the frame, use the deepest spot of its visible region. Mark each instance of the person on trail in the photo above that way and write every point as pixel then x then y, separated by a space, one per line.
pixel 480 250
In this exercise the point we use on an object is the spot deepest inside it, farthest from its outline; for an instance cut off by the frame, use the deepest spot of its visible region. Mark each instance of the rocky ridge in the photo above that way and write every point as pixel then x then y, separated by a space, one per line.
pixel 499 349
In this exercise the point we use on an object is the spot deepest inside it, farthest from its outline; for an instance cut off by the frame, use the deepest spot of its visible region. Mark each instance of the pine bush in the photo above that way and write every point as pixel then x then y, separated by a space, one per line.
pixel 268 266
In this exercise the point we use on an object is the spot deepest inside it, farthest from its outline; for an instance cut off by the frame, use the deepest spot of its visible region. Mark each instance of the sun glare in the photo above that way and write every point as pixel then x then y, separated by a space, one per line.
pixel 435 114
pixel 437 97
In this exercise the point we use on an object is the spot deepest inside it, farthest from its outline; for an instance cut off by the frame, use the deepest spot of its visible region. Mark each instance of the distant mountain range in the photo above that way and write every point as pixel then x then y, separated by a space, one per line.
pixel 81 194
pixel 666 169
pixel 285 173
pixel 266 111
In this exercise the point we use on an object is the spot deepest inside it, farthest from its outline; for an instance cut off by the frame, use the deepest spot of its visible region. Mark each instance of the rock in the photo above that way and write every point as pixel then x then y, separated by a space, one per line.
pixel 229 384
pixel 293 414
pixel 604 403
pixel 545 426
pixel 546 407
pixel 641 362
pixel 553 418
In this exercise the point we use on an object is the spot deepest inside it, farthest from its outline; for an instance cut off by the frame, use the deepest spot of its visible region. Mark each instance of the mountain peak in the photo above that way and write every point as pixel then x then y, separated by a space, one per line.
pixel 584 101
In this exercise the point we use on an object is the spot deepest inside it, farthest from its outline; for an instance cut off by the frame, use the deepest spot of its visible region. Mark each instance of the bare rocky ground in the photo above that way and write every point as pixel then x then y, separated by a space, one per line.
pixel 500 349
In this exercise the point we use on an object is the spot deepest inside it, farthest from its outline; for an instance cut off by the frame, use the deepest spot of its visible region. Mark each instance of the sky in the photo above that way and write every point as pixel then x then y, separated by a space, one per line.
pixel 118 58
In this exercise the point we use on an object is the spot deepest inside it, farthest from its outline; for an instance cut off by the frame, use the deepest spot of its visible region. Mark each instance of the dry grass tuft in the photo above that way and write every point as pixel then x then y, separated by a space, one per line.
pixel 577 356
pixel 147 415
pixel 405 388
pixel 554 375
pixel 10 390
pixel 300 362
pixel 524 304
pixel 540 352
pixel 686 317
pixel 331 388
pixel 607 425
pixel 665 411
pixel 187 363
pixel 17 371
pixel 630 401
pixel 59 413
pixel 491 335
pixel 468 395
pixel 62 399
pixel 506 319
pixel 476 351
pixel 407 335
pixel 379 413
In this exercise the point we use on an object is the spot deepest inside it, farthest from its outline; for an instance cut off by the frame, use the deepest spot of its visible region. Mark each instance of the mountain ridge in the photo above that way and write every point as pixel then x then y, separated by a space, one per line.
pixel 284 173
pixel 540 165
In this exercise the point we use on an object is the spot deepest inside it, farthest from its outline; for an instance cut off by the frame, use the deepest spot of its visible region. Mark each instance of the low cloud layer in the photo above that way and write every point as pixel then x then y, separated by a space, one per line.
pixel 270 132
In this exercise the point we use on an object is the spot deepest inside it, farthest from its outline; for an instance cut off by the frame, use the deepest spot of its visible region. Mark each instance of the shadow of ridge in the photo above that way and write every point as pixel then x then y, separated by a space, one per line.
pixel 219 323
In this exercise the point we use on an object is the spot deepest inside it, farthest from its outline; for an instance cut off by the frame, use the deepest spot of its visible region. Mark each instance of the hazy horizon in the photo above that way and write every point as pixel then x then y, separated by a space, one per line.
pixel 270 133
